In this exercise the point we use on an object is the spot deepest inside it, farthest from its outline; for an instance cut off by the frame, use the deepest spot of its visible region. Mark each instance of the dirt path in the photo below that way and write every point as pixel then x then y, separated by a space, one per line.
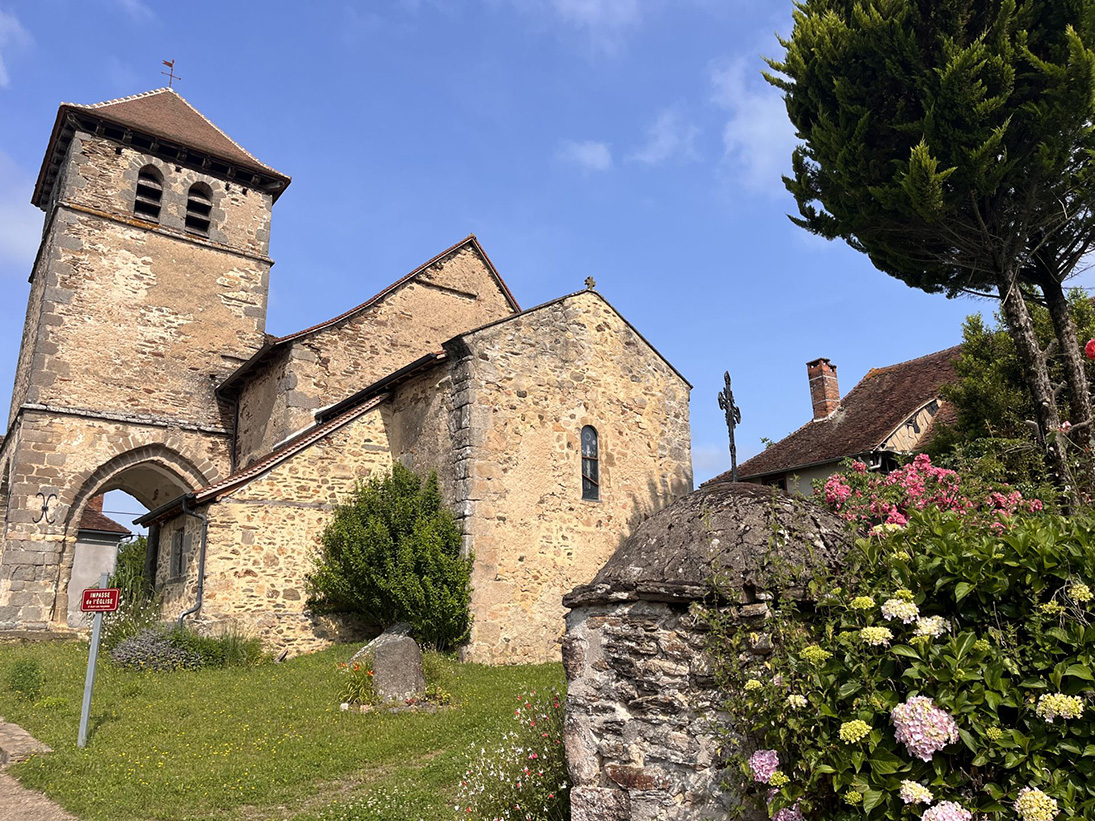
pixel 17 803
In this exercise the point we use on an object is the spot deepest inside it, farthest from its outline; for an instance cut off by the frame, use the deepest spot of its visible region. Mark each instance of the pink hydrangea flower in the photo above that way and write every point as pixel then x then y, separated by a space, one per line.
pixel 763 763
pixel 789 814
pixel 923 728
pixel 1089 349
pixel 946 811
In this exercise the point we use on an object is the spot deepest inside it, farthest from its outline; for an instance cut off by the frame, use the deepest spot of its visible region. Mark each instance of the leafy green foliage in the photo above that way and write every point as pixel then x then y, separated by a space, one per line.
pixel 1011 623
pixel 393 553
pixel 162 648
pixel 990 435
pixel 25 678
pixel 139 606
pixel 357 683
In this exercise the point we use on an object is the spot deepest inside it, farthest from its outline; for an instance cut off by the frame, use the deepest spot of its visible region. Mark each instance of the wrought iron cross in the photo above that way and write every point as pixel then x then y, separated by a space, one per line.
pixel 733 419
pixel 170 73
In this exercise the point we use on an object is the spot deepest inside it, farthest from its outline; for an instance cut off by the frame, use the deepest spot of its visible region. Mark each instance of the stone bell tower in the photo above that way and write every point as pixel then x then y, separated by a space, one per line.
pixel 149 288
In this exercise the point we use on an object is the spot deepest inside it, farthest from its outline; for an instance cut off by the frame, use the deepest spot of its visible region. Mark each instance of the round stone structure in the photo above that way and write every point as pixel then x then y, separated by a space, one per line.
pixel 642 721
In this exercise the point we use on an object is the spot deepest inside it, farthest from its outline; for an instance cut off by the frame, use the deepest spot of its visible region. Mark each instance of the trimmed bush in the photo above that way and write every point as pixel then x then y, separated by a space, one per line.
pixel 393 553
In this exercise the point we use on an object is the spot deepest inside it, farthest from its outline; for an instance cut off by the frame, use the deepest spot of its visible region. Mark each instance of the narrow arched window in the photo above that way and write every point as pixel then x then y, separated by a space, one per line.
pixel 591 467
pixel 146 205
pixel 199 207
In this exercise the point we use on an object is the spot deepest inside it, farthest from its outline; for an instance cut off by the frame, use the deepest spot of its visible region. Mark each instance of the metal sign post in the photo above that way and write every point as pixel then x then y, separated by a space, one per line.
pixel 97 601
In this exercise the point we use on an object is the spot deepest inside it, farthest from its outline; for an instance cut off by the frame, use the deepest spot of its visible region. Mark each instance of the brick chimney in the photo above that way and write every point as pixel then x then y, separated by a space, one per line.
pixel 824 390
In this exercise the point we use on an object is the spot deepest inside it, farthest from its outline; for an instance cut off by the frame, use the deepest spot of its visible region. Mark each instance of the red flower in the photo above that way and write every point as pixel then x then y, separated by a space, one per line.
pixel 1089 349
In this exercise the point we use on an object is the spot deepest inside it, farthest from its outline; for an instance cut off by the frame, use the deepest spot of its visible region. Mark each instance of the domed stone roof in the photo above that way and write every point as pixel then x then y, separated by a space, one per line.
pixel 753 538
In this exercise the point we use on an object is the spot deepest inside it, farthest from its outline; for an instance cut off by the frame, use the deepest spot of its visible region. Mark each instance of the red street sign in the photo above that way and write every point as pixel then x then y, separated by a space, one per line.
pixel 100 600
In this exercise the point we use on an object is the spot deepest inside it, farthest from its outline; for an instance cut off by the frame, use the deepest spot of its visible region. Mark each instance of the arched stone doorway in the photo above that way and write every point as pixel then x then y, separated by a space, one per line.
pixel 152 475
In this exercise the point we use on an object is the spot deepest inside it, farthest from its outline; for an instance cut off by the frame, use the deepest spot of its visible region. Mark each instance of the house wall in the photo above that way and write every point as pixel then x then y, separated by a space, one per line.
pixel 523 391
pixel 263 401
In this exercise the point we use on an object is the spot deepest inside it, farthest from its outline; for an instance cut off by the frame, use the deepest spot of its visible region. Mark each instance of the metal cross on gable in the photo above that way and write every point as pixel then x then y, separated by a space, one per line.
pixel 733 419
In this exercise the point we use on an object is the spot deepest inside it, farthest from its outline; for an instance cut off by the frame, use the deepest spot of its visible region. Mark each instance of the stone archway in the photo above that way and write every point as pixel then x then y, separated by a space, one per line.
pixel 152 474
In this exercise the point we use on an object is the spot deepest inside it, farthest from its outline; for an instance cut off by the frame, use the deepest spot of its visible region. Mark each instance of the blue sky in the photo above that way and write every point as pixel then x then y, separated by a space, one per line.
pixel 629 140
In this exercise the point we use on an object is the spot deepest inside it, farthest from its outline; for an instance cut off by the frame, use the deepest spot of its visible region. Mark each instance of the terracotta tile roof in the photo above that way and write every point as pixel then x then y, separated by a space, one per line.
pixel 262 354
pixel 164 113
pixel 161 114
pixel 95 520
pixel 865 418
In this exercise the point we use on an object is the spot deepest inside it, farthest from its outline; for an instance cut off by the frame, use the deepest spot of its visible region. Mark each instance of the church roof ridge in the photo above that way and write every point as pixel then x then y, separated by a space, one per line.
pixel 277 342
pixel 470 239
pixel 571 295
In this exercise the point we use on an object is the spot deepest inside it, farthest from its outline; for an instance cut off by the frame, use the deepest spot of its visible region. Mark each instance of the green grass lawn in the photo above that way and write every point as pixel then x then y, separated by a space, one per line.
pixel 252 743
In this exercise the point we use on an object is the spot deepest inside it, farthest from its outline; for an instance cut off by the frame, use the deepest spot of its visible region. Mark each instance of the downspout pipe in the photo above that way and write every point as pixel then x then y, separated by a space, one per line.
pixel 186 509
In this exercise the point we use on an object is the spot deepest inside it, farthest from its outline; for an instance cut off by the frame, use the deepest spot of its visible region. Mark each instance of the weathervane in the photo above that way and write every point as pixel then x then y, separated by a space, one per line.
pixel 733 419
pixel 170 73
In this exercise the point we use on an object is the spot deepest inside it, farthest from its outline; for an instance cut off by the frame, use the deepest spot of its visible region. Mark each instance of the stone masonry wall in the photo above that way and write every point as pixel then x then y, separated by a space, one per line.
pixel 456 294
pixel 263 538
pixel 524 390
pixel 263 402
pixel 138 317
pixel 61 461
pixel 642 710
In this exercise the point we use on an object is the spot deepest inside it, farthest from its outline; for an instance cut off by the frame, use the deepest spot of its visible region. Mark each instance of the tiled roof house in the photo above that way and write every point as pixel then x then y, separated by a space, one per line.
pixel 890 413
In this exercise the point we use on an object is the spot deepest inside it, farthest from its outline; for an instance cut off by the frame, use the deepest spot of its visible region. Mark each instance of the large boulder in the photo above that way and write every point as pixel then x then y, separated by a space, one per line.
pixel 397 665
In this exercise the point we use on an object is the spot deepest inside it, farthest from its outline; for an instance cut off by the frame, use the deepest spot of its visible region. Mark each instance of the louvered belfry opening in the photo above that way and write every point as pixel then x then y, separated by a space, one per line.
pixel 149 194
pixel 199 207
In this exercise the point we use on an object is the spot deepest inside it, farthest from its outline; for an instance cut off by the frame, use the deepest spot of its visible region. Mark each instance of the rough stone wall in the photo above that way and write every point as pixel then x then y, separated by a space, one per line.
pixel 641 734
pixel 420 435
pixel 138 317
pixel 262 400
pixel 523 391
pixel 263 538
pixel 64 460
pixel 32 326
pixel 454 295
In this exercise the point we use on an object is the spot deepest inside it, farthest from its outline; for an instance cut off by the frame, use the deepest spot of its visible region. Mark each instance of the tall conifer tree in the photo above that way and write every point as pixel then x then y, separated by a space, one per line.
pixel 952 142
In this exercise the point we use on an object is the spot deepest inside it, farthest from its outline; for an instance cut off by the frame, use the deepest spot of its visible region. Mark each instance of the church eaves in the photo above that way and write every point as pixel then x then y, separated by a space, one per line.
pixel 163 123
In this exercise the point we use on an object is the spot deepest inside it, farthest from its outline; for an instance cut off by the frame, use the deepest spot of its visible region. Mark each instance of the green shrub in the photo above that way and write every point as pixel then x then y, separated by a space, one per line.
pixel 984 628
pixel 393 553
pixel 166 647
pixel 139 607
pixel 358 685
pixel 25 679
pixel 152 649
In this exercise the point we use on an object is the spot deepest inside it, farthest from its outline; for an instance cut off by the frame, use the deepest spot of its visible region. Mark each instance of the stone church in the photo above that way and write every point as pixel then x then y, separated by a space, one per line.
pixel 145 367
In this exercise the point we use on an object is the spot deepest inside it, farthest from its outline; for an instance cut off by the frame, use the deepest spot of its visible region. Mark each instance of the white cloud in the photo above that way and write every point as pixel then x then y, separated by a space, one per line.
pixel 599 14
pixel 137 10
pixel 12 36
pixel 604 22
pixel 588 154
pixel 20 222
pixel 758 138
pixel 670 136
